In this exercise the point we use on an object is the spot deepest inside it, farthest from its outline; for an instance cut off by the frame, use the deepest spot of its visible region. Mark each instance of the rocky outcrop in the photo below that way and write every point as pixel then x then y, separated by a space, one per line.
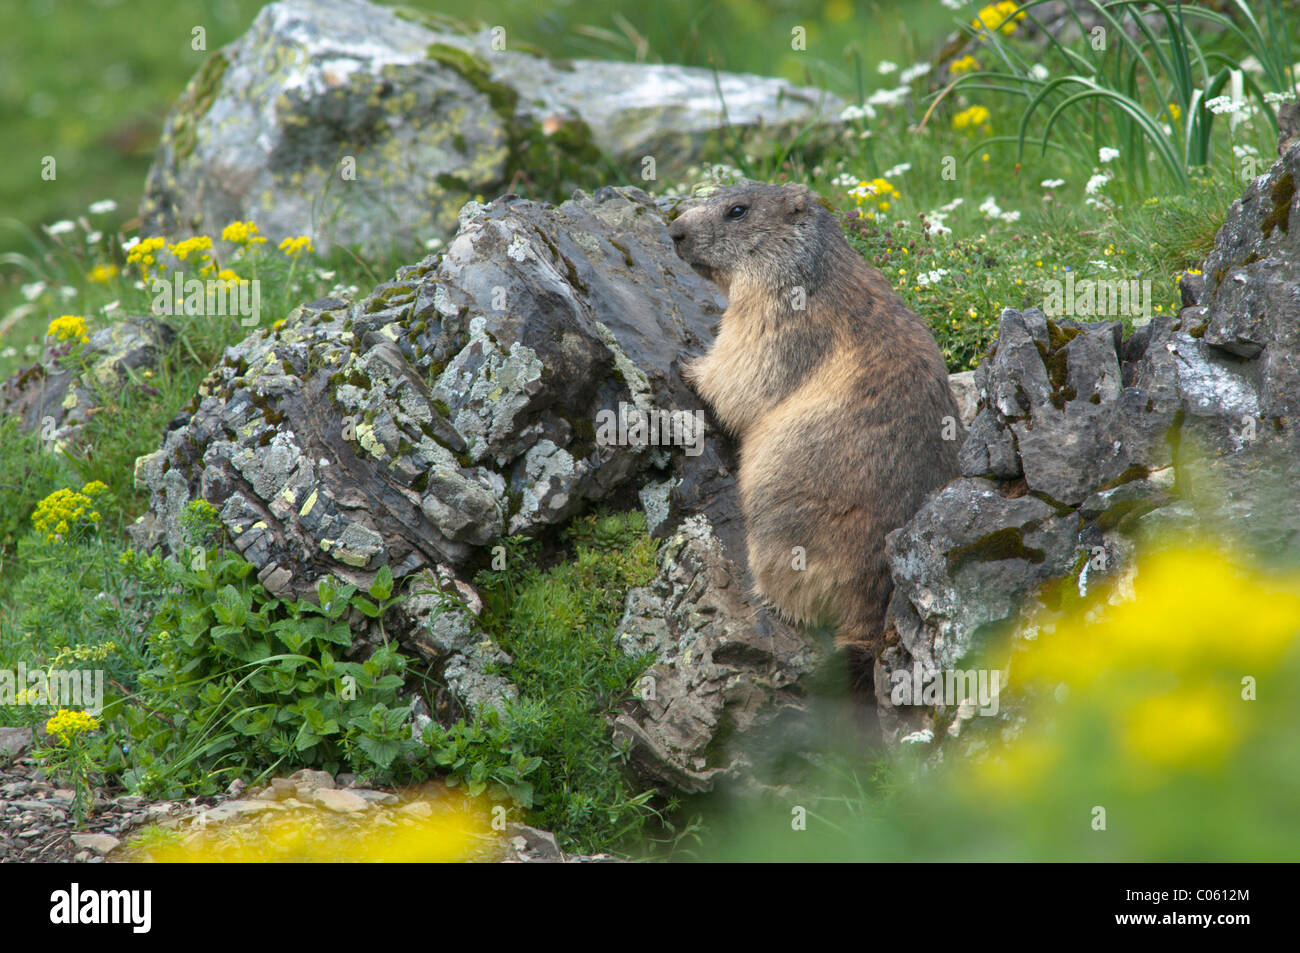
pixel 480 394
pixel 361 125
pixel 56 399
pixel 1085 443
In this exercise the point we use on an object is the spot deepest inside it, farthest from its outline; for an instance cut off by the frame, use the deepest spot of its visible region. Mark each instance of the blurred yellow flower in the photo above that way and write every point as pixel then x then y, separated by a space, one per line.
pixel 293 246
pixel 68 327
pixel 969 118
pixel 967 64
pixel 998 16
pixel 102 274
pixel 67 725
pixel 242 233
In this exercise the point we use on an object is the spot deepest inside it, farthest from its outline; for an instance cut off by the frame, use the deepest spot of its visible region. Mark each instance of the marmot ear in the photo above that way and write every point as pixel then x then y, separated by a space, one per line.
pixel 798 197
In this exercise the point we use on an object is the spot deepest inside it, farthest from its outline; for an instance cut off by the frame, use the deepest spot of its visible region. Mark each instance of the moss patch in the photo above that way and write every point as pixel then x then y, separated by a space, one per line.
pixel 1006 543
pixel 1283 193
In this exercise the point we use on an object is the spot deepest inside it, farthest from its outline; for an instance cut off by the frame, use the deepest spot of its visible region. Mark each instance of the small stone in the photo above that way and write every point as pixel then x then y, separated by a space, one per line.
pixel 99 843
pixel 307 781
pixel 374 797
pixel 341 802
pixel 419 809
pixel 13 742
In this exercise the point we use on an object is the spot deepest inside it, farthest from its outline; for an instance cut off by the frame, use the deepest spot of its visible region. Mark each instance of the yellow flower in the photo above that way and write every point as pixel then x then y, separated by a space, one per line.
pixel 292 246
pixel 199 243
pixel 969 118
pixel 1174 112
pixel 242 233
pixel 998 16
pixel 102 274
pixel 67 725
pixel 63 510
pixel 68 327
pixel 225 274
pixel 967 64
pixel 143 255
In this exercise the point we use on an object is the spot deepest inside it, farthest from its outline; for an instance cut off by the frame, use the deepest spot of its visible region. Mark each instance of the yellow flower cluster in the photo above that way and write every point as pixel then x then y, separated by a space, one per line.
pixel 67 725
pixel 292 246
pixel 144 255
pixel 878 190
pixel 201 247
pixel 242 234
pixel 83 653
pixel 64 510
pixel 67 328
pixel 1164 667
pixel 970 118
pixel 998 16
pixel 967 64
pixel 102 274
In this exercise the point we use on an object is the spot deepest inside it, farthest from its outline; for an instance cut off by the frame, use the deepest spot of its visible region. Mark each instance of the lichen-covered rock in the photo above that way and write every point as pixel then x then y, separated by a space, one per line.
pixel 725 674
pixel 1085 444
pixel 57 400
pixel 361 125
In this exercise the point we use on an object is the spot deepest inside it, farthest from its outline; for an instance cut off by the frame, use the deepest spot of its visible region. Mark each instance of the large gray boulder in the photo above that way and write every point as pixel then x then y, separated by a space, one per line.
pixel 361 125
pixel 1085 445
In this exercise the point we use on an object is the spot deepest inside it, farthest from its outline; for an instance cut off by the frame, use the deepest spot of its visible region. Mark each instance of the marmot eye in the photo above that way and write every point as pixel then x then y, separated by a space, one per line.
pixel 736 212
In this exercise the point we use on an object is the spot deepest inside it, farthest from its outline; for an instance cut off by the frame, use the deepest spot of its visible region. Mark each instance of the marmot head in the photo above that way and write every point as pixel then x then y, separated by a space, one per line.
pixel 774 235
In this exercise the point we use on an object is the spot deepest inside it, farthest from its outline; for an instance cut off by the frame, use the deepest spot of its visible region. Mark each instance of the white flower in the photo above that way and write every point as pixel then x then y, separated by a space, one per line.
pixel 34 290
pixel 130 243
pixel 889 97
pixel 103 207
pixel 1222 104
pixel 60 228
pixel 68 292
pixel 951 206
pixel 111 306
pixel 937 228
pixel 1251 65
pixel 1244 150
pixel 1039 72
pixel 1096 183
pixel 1274 98
pixel 853 113
pixel 1107 154
pixel 931 277
pixel 953 4
pixel 897 170
pixel 885 67
pixel 1010 216
pixel 844 180
pixel 990 208
pixel 94 238
pixel 1052 183
pixel 915 71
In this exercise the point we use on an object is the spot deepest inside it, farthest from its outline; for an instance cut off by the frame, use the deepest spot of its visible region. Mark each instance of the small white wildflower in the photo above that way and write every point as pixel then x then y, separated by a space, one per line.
pixel 951 206
pixel 897 170
pixel 854 113
pixel 990 208
pixel 1107 154
pixel 1274 98
pixel 885 67
pixel 94 238
pixel 1010 216
pixel 889 97
pixel 130 243
pixel 111 306
pixel 1222 104
pixel 1244 150
pixel 931 277
pixel 1052 183
pixel 1251 65
pixel 953 4
pixel 61 227
pixel 103 207
pixel 1096 183
pixel 915 71
pixel 1039 72
pixel 34 290
pixel 67 292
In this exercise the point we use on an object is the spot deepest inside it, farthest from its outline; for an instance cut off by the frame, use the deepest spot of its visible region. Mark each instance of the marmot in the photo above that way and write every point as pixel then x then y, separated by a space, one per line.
pixel 837 394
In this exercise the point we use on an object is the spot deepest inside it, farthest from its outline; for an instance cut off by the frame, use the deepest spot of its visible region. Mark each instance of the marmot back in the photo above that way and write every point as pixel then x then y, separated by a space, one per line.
pixel 837 393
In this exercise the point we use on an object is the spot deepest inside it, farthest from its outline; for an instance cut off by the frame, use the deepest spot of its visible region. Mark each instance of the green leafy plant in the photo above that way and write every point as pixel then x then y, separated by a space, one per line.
pixel 245 682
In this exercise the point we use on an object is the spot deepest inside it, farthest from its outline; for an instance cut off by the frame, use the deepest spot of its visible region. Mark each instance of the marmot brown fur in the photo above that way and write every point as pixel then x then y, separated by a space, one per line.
pixel 836 392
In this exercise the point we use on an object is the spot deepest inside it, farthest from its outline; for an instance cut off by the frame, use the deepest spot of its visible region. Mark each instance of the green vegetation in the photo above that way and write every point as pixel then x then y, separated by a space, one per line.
pixel 961 194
